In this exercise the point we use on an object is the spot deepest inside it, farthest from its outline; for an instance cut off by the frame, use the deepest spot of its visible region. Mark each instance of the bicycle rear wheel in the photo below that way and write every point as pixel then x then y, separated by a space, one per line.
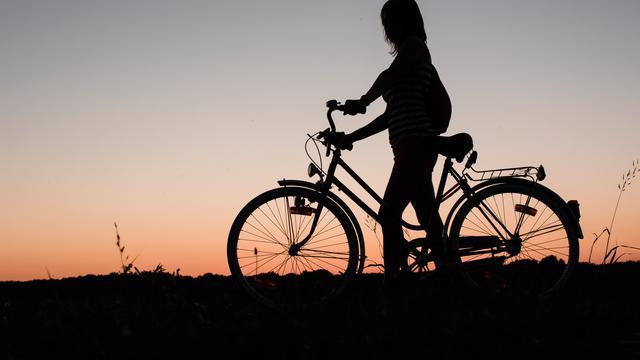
pixel 260 242
pixel 515 236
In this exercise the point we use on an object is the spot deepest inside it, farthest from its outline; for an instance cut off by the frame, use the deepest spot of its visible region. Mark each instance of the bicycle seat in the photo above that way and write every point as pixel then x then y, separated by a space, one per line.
pixel 454 146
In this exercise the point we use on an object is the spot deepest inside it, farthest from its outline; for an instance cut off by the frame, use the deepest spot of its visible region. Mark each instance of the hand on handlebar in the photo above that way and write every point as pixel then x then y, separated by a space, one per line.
pixel 338 139
pixel 343 141
pixel 353 107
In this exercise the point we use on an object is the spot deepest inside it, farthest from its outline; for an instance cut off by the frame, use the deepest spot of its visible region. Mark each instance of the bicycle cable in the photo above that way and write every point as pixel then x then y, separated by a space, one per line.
pixel 315 143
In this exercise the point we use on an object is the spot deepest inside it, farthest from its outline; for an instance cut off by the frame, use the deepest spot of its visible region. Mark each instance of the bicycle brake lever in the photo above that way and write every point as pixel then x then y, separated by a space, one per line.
pixel 323 134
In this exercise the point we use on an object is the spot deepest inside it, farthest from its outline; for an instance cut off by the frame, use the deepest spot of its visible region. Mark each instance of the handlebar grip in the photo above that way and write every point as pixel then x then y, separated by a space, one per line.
pixel 333 104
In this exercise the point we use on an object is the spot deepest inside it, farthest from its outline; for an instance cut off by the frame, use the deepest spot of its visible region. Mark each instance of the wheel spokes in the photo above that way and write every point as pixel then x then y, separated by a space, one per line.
pixel 269 231
pixel 536 255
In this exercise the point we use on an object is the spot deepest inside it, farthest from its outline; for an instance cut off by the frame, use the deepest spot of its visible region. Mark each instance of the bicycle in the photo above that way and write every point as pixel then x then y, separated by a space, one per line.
pixel 300 244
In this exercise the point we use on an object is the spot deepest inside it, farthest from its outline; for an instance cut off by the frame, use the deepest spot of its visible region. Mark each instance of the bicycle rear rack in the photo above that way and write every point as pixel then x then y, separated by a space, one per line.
pixel 531 172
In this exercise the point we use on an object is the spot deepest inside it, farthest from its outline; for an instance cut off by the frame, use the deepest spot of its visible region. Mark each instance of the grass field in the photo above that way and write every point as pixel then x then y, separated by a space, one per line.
pixel 159 315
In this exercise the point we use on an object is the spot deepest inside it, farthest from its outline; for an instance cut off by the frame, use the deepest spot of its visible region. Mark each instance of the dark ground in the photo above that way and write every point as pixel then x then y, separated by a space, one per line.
pixel 162 316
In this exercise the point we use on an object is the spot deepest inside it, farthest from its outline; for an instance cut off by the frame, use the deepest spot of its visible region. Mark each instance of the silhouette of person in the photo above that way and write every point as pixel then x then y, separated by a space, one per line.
pixel 418 107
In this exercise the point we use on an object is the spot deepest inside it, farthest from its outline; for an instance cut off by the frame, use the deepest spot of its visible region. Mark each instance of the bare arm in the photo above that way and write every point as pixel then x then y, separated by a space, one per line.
pixel 377 125
pixel 412 52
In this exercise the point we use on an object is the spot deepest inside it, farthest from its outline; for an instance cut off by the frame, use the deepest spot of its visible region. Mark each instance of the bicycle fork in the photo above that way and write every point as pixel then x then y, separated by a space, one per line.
pixel 295 247
pixel 324 187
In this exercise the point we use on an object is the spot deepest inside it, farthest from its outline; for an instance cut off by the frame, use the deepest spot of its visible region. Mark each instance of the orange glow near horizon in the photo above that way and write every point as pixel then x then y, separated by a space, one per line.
pixel 61 246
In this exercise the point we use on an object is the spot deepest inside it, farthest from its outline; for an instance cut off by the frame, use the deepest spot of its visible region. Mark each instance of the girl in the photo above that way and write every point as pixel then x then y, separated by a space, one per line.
pixel 418 107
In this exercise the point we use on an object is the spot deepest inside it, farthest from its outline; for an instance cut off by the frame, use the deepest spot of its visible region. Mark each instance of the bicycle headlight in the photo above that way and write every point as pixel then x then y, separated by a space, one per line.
pixel 312 170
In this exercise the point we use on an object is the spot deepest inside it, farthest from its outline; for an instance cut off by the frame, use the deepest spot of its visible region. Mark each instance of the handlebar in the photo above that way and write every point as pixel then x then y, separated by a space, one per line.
pixel 328 135
pixel 332 105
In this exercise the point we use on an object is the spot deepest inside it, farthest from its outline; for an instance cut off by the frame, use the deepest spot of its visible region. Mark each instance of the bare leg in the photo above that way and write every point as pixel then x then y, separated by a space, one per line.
pixel 423 204
pixel 410 181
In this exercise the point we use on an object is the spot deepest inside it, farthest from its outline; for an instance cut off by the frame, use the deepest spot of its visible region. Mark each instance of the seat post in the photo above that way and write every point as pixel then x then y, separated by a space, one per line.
pixel 443 181
pixel 435 211
pixel 438 196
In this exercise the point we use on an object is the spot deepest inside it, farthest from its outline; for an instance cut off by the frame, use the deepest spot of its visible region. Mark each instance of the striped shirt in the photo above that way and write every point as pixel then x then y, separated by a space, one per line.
pixel 407 105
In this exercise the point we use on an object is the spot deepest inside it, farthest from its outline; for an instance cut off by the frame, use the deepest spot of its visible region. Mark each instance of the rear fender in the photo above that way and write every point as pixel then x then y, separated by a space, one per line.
pixel 573 214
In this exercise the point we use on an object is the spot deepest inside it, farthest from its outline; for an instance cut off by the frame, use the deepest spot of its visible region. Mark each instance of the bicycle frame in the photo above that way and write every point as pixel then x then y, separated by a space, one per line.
pixel 324 186
pixel 461 183
pixel 502 238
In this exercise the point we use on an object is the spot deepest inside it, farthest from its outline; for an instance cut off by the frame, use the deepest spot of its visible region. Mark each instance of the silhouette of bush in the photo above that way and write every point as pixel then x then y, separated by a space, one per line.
pixel 611 254
pixel 127 266
pixel 125 263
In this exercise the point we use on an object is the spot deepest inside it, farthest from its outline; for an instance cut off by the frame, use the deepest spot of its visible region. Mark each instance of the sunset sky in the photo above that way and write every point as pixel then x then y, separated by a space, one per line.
pixel 168 116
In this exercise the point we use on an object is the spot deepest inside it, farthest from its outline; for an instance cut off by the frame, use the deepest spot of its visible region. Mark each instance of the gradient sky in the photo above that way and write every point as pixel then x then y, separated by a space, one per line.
pixel 168 116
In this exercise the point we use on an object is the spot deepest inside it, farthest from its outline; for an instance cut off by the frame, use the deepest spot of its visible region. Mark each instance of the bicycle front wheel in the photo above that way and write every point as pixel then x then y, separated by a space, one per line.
pixel 260 255
pixel 515 236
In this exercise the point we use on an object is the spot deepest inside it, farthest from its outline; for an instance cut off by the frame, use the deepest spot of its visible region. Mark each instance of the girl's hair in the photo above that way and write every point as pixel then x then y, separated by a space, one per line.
pixel 401 19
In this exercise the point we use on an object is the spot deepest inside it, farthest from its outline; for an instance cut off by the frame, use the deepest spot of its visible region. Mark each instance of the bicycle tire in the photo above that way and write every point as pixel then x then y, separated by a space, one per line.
pixel 538 256
pixel 262 234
